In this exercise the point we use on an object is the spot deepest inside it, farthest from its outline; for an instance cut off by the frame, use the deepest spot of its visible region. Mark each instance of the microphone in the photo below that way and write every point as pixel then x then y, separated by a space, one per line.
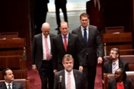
pixel 60 78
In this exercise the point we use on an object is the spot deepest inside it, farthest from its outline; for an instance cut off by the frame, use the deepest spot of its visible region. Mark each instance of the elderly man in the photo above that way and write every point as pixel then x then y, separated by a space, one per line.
pixel 42 55
pixel 64 43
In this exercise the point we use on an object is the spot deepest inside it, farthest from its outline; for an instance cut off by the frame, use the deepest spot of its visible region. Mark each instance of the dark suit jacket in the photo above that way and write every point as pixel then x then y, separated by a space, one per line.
pixel 37 49
pixel 15 85
pixel 77 77
pixel 107 67
pixel 94 47
pixel 112 84
pixel 59 50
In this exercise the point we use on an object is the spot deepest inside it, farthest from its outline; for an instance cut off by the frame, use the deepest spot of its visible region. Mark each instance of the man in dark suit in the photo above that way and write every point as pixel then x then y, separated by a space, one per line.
pixel 68 78
pixel 41 10
pixel 60 4
pixel 42 55
pixel 9 80
pixel 90 45
pixel 64 43
pixel 115 62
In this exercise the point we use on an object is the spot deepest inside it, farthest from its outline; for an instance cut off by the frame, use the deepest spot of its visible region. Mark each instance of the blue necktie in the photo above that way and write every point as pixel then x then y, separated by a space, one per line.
pixel 85 36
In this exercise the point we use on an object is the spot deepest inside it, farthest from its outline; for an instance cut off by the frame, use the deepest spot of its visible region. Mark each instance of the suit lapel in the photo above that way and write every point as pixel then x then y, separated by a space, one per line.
pixel 120 64
pixel 80 36
pixel 110 66
pixel 89 34
pixel 63 81
pixel 75 78
pixel 125 85
pixel 13 86
pixel 61 42
pixel 3 86
pixel 40 40
pixel 51 39
pixel 114 85
pixel 69 42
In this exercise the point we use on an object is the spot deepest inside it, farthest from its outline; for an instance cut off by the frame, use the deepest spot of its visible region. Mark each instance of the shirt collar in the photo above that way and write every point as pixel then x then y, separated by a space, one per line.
pixel 44 36
pixel 117 61
pixel 66 35
pixel 9 83
pixel 66 72
pixel 84 28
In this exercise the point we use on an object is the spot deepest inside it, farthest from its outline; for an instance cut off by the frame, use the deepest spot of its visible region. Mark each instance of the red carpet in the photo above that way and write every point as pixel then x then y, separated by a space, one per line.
pixel 35 82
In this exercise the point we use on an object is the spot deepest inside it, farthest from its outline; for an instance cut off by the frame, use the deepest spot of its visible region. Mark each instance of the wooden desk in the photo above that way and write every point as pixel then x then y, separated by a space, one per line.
pixel 122 41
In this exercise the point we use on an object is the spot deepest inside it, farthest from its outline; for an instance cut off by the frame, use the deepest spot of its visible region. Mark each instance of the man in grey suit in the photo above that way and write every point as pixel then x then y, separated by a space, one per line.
pixel 9 80
pixel 68 78
pixel 91 50
pixel 42 55
pixel 64 43
pixel 115 62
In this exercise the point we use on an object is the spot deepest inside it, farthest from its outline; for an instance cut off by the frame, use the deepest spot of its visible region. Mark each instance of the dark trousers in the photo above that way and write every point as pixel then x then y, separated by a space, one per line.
pixel 89 76
pixel 63 8
pixel 89 73
pixel 46 75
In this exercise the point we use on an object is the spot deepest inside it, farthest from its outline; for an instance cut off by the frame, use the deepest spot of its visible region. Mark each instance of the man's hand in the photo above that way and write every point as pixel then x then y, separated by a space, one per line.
pixel 80 68
pixel 100 60
pixel 54 71
pixel 34 67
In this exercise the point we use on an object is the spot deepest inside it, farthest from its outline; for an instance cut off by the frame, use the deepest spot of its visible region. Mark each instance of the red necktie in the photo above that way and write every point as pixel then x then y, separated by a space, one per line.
pixel 47 49
pixel 65 43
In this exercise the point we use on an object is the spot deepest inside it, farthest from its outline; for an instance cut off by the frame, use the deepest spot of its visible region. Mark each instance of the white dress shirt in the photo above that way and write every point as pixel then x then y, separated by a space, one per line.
pixel 117 66
pixel 82 30
pixel 72 79
pixel 66 38
pixel 11 85
pixel 49 46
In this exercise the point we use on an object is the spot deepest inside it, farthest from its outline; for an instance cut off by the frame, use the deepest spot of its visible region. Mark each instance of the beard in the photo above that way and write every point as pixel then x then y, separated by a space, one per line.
pixel 69 69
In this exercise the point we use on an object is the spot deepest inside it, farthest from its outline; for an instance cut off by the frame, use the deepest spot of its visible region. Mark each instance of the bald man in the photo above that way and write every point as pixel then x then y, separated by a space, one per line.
pixel 42 56
pixel 64 43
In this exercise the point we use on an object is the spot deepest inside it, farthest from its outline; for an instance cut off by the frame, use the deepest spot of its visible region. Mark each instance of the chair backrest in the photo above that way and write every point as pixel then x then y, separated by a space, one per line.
pixel 9 35
pixel 127 58
pixel 114 30
pixel 108 77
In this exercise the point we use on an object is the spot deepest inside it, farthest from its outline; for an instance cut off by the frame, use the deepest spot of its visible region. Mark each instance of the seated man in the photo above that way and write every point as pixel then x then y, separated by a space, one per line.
pixel 68 78
pixel 9 80
pixel 115 62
